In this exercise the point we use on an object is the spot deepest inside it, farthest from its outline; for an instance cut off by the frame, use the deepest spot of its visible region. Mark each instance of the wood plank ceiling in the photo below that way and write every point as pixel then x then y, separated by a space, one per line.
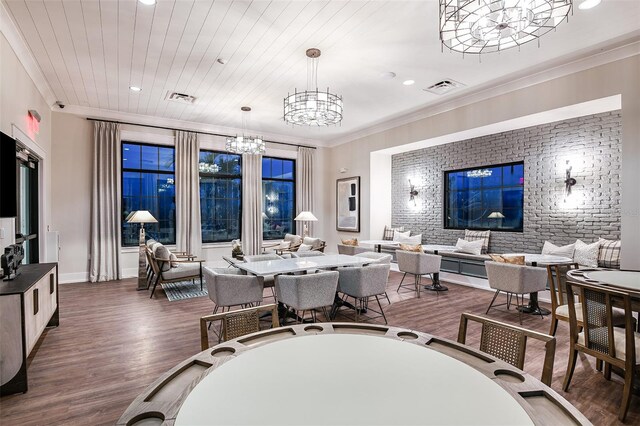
pixel 91 51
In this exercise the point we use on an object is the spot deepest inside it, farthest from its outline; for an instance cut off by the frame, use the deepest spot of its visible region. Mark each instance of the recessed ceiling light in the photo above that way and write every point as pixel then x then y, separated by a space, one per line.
pixel 135 89
pixel 408 82
pixel 588 4
pixel 387 75
pixel 148 2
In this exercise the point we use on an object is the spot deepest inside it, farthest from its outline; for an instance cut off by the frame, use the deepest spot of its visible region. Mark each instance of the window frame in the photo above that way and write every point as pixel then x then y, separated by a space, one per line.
pixel 140 170
pixel 225 176
pixel 295 184
pixel 502 187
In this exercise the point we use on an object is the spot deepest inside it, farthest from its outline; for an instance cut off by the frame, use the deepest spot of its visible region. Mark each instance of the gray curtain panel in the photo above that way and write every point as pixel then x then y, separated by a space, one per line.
pixel 188 229
pixel 251 204
pixel 104 264
pixel 304 185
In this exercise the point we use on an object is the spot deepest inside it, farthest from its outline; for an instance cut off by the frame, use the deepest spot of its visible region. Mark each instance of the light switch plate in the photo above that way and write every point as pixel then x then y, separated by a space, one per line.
pixel 2 236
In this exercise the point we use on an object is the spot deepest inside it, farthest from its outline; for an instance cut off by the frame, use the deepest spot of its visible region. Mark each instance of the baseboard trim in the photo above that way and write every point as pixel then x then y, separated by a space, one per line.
pixel 73 277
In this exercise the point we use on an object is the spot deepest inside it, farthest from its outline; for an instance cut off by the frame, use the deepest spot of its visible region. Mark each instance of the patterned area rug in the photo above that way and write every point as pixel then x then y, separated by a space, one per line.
pixel 181 290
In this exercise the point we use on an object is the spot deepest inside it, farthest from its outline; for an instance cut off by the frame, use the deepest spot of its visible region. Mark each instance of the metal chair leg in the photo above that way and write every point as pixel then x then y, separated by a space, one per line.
pixel 403 277
pixel 492 300
pixel 381 310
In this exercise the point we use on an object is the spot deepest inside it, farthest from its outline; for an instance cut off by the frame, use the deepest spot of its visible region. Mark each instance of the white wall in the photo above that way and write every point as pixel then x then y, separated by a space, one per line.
pixel 619 77
pixel 18 94
pixel 72 162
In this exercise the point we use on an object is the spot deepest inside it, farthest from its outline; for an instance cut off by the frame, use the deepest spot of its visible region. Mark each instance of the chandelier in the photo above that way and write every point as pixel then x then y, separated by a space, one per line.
pixel 313 107
pixel 242 144
pixel 482 26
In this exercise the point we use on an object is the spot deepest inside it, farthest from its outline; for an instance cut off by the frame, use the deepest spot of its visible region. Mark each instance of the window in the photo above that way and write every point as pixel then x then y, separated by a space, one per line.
pixel 279 199
pixel 485 198
pixel 220 196
pixel 148 184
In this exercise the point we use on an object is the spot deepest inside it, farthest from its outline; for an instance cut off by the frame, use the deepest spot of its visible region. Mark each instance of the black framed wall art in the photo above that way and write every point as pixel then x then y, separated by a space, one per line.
pixel 348 204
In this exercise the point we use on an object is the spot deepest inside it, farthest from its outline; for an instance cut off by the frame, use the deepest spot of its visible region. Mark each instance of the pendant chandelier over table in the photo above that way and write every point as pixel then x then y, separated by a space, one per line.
pixel 243 144
pixel 313 107
pixel 482 26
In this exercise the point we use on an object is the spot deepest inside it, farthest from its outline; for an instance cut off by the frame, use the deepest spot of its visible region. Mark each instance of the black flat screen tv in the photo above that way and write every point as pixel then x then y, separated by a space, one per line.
pixel 8 191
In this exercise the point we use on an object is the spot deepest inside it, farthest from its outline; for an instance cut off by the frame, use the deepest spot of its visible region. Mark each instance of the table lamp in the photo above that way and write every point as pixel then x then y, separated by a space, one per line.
pixel 141 217
pixel 496 215
pixel 305 217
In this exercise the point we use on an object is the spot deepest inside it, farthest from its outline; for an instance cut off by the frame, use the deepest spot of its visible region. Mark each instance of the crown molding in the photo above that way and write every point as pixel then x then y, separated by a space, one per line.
pixel 23 52
pixel 142 120
pixel 596 56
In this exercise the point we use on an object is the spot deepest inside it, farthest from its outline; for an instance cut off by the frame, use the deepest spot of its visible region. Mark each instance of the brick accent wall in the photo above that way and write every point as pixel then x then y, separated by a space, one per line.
pixel 592 144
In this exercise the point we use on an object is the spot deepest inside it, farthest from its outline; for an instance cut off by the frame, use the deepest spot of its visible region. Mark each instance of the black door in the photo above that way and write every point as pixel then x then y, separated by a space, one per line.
pixel 27 219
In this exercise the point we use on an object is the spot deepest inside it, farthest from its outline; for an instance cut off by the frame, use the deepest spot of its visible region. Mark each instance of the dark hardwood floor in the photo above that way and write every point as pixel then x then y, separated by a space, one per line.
pixel 113 341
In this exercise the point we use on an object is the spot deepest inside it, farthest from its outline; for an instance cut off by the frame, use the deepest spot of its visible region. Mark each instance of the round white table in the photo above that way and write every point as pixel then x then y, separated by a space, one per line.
pixel 628 280
pixel 346 373
pixel 347 379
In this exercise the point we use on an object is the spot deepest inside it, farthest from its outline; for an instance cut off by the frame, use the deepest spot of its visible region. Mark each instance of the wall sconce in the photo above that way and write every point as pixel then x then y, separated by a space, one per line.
pixel 569 181
pixel 413 192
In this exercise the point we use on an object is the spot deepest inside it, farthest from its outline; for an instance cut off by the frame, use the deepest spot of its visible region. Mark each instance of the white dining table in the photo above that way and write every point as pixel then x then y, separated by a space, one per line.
pixel 389 382
pixel 287 266
pixel 537 259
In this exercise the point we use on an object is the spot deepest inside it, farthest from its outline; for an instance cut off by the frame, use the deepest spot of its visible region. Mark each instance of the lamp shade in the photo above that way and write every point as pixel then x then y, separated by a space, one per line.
pixel 141 216
pixel 306 216
pixel 496 215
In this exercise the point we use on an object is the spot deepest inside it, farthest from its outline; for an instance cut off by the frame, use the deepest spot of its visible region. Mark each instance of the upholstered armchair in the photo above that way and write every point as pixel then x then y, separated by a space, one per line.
pixel 417 264
pixel 514 279
pixel 307 292
pixel 230 287
pixel 351 250
pixel 362 283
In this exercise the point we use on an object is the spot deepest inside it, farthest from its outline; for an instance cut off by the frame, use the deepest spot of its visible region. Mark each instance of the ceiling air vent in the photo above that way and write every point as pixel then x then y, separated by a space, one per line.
pixel 444 86
pixel 180 97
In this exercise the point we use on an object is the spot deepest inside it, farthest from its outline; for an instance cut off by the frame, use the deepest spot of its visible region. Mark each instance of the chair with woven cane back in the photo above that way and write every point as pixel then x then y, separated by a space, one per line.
pixel 237 323
pixel 559 303
pixel 598 337
pixel 509 342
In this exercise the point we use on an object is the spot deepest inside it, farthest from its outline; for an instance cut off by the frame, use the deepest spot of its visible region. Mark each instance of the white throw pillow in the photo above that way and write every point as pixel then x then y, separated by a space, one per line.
pixel 313 242
pixel 305 247
pixel 414 239
pixel 554 250
pixel 399 236
pixel 284 245
pixel 470 247
pixel 586 254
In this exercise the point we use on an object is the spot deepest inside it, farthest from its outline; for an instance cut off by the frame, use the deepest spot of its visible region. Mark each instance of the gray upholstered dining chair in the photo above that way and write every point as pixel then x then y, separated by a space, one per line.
pixel 268 281
pixel 350 250
pixel 363 282
pixel 229 287
pixel 514 280
pixel 307 292
pixel 417 264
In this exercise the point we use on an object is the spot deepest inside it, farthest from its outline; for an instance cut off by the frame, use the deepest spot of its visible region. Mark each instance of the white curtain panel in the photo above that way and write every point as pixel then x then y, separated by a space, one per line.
pixel 188 229
pixel 104 264
pixel 304 186
pixel 251 204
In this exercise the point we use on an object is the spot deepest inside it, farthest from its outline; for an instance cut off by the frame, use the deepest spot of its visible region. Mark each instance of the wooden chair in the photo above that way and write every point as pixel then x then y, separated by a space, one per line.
pixel 187 269
pixel 509 343
pixel 557 288
pixel 599 337
pixel 237 323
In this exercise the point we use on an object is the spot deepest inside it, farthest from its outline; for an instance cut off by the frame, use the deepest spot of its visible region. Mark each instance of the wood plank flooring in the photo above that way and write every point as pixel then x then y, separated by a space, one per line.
pixel 113 341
